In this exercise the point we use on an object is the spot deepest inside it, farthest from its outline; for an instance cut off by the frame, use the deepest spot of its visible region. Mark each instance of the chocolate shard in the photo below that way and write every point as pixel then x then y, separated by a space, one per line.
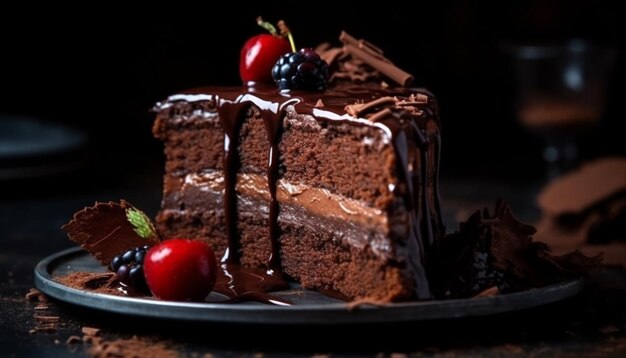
pixel 104 230
pixel 510 240
pixel 574 263
pixel 498 250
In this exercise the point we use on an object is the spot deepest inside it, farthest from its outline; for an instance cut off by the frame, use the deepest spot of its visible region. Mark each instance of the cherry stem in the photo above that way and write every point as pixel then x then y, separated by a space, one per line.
pixel 266 25
pixel 284 30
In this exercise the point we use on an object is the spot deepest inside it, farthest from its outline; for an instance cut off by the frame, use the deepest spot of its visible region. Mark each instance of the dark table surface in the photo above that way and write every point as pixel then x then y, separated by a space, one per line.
pixel 32 211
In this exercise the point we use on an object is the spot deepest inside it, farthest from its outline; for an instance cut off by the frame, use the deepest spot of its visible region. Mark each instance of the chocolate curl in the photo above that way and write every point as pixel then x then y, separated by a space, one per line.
pixel 328 53
pixel 378 116
pixel 413 104
pixel 363 45
pixel 373 57
pixel 357 109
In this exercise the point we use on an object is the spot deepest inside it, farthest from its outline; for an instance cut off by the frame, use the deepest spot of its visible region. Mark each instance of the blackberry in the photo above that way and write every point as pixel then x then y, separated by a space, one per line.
pixel 302 70
pixel 128 267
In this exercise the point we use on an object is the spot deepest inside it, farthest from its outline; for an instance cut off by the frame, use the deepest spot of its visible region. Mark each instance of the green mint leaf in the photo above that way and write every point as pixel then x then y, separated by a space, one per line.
pixel 141 222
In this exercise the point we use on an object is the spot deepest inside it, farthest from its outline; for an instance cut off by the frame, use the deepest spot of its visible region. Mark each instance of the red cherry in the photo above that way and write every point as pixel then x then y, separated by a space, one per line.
pixel 258 56
pixel 180 270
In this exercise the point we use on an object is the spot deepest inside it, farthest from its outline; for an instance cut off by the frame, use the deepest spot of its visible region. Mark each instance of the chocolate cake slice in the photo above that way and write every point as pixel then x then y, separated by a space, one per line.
pixel 337 190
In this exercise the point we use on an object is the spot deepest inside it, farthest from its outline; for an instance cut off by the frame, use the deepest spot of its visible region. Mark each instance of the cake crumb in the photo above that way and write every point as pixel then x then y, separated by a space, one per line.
pixel 90 331
pixel 134 347
pixel 35 295
pixel 49 328
pixel 43 322
pixel 73 339
pixel 48 319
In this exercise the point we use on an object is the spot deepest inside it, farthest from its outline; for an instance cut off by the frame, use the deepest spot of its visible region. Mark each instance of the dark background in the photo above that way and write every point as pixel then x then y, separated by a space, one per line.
pixel 102 69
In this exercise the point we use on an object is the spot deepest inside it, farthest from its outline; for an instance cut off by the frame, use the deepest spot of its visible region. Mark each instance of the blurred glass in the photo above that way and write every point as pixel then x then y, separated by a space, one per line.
pixel 561 93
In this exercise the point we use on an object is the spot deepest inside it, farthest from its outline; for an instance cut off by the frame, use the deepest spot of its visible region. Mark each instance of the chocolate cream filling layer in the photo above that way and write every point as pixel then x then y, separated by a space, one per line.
pixel 351 220
pixel 317 201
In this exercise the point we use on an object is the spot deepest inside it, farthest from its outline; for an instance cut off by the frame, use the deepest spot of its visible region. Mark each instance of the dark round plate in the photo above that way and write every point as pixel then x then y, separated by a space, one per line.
pixel 310 307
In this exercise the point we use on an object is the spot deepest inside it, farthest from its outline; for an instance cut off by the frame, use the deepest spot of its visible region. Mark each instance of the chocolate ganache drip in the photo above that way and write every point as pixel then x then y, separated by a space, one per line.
pixel 232 114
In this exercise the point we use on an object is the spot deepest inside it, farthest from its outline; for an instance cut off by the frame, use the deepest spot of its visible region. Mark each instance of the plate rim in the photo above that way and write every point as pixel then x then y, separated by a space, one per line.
pixel 327 313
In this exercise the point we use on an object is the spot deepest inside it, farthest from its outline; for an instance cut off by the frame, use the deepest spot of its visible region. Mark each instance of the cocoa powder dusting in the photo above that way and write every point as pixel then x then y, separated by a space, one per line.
pixel 134 347
pixel 104 283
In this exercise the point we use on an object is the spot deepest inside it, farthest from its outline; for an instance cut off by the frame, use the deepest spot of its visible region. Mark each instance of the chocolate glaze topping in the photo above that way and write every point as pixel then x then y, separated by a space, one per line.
pixel 249 284
pixel 402 118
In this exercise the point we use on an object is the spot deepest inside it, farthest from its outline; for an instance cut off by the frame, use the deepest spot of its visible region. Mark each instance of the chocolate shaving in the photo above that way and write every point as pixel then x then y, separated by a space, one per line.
pixel 345 67
pixel 329 54
pixel 490 292
pixel 418 98
pixel 44 329
pixel 44 322
pixel 34 295
pixel 357 109
pixel 373 56
pixel 378 116
pixel 384 107
pixel 90 331
pixel 48 319
pixel 73 339
pixel 363 45
pixel 132 347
